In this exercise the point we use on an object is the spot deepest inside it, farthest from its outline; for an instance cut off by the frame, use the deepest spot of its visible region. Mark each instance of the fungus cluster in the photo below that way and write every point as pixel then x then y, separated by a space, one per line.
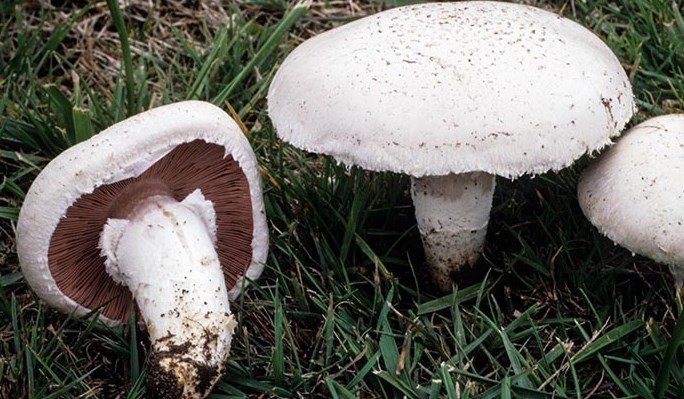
pixel 162 213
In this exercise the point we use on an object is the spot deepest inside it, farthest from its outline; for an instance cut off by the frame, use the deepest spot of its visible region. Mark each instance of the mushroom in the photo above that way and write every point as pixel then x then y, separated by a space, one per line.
pixel 634 192
pixel 453 94
pixel 164 208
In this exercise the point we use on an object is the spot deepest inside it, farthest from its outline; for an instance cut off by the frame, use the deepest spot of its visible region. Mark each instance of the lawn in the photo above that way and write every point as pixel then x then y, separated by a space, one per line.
pixel 343 309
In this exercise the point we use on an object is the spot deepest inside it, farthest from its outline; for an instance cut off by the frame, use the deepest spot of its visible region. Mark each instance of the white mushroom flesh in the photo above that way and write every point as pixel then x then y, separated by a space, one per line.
pixel 452 213
pixel 164 252
pixel 634 192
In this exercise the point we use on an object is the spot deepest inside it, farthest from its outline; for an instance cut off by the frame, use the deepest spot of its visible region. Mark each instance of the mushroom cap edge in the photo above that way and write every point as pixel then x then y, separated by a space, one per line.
pixel 124 150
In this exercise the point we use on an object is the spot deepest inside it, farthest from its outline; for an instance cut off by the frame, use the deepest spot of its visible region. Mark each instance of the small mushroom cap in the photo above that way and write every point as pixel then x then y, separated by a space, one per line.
pixel 177 143
pixel 634 192
pixel 441 88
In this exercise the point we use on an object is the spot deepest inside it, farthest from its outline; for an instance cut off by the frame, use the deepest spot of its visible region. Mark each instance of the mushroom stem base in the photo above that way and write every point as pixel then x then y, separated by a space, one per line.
pixel 164 252
pixel 452 213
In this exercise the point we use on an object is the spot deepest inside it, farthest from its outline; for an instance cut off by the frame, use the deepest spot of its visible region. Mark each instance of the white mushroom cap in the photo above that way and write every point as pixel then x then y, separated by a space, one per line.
pixel 124 151
pixel 634 192
pixel 441 88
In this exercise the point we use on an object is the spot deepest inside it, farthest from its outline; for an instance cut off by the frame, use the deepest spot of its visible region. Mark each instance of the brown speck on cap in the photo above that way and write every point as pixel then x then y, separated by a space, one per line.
pixel 74 256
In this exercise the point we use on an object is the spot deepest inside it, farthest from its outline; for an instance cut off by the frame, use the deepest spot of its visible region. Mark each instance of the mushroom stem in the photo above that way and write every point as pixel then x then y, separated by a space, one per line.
pixel 452 212
pixel 164 252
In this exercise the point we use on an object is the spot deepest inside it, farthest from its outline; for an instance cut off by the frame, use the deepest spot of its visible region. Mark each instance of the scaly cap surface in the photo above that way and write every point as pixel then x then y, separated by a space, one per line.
pixel 441 88
pixel 634 192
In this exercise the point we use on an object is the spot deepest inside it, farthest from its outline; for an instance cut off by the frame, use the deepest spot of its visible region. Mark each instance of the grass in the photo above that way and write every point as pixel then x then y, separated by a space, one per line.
pixel 553 309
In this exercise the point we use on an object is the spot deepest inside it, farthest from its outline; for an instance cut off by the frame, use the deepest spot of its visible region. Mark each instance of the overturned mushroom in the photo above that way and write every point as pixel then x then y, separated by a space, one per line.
pixel 634 192
pixel 453 94
pixel 164 208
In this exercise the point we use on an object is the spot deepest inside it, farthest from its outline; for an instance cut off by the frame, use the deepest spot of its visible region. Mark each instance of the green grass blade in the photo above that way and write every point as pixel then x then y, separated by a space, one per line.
pixel 663 378
pixel 337 391
pixel 9 213
pixel 608 338
pixel 61 107
pixel 134 361
pixel 122 31
pixel 210 63
pixel 400 385
pixel 361 374
pixel 11 278
pixel 445 302
pixel 83 127
pixel 447 381
pixel 279 331
pixel 268 47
